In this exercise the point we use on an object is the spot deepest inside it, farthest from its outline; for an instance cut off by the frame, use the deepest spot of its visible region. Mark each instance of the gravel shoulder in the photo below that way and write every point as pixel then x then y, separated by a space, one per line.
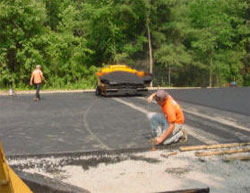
pixel 152 171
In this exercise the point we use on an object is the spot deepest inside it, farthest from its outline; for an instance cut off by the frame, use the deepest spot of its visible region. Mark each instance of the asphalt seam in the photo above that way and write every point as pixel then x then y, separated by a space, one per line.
pixel 201 135
pixel 217 120
pixel 89 129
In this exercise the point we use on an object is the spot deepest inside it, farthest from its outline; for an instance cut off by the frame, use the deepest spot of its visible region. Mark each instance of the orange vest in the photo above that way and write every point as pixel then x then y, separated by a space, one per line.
pixel 172 111
pixel 37 75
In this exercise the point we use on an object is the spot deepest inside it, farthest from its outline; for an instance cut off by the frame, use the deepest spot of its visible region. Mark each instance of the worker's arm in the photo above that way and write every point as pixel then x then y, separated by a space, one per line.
pixel 160 139
pixel 151 97
pixel 43 78
pixel 31 79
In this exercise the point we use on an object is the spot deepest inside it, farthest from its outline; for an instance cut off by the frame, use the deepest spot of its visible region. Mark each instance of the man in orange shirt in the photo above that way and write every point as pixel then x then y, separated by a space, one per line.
pixel 167 127
pixel 37 77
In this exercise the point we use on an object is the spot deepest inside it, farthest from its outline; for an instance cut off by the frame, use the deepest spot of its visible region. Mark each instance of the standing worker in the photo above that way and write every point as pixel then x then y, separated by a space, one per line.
pixel 37 76
pixel 167 127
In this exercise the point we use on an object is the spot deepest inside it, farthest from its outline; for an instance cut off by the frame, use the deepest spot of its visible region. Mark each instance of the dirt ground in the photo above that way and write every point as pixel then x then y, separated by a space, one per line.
pixel 152 171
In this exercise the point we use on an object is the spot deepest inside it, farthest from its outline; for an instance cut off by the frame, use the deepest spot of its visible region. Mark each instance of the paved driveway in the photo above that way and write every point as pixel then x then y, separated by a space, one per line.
pixel 82 122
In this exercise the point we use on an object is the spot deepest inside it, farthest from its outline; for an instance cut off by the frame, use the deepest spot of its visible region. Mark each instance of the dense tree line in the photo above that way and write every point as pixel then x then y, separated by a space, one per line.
pixel 192 42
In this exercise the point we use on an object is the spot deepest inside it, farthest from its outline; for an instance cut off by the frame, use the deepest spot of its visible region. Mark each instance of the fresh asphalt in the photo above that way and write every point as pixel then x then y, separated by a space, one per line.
pixel 83 122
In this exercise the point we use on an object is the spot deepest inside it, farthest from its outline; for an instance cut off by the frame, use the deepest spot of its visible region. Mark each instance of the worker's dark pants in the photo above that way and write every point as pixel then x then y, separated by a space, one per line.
pixel 37 90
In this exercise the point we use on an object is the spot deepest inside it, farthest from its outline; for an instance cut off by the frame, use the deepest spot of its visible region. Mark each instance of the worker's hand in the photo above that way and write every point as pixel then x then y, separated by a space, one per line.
pixel 157 140
pixel 30 83
pixel 150 98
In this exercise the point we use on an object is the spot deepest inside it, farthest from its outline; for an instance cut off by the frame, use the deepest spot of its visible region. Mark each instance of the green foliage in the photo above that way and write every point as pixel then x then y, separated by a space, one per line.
pixel 195 42
pixel 219 28
pixel 20 23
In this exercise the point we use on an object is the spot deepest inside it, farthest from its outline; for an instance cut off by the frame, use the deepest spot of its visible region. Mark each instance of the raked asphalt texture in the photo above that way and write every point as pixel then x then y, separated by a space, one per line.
pixel 83 122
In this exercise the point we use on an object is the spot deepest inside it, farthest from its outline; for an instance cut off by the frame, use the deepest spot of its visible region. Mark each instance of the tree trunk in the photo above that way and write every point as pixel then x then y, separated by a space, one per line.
pixel 150 52
pixel 169 75
pixel 11 55
pixel 211 72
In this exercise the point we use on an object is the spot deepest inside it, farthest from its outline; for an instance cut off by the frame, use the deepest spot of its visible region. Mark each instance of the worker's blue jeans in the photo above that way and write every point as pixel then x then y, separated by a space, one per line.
pixel 159 125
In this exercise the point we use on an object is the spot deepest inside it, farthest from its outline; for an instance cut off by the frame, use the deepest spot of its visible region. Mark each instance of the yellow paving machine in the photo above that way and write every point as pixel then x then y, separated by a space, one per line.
pixel 120 79
pixel 9 181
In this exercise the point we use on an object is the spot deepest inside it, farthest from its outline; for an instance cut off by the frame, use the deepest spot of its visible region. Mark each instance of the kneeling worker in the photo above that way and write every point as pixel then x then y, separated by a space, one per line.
pixel 167 127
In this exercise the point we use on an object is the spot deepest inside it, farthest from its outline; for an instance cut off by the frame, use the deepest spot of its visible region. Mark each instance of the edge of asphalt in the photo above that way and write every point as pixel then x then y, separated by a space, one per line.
pixel 42 184
pixel 95 153
pixel 83 90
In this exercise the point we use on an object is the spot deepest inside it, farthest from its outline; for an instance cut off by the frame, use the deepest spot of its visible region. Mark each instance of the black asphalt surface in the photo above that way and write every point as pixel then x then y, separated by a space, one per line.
pixel 68 122
pixel 83 122
pixel 234 99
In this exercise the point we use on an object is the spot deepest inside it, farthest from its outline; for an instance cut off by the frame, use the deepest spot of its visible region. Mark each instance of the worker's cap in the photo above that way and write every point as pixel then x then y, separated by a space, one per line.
pixel 161 95
pixel 38 66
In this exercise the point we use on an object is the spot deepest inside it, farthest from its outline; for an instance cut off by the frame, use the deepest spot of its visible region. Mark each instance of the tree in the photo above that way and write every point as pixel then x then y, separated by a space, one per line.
pixel 172 56
pixel 68 49
pixel 187 40
pixel 216 24
pixel 21 24
pixel 169 32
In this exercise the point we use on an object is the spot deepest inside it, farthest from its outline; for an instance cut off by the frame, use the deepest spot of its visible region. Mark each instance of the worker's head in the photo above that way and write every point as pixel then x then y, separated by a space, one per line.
pixel 38 66
pixel 160 96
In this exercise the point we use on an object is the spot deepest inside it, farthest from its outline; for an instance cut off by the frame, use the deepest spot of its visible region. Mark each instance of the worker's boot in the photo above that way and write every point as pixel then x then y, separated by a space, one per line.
pixel 184 137
pixel 35 99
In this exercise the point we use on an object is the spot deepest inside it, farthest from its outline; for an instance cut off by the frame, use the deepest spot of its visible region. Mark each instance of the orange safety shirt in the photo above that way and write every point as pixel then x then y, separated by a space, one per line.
pixel 172 111
pixel 37 75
